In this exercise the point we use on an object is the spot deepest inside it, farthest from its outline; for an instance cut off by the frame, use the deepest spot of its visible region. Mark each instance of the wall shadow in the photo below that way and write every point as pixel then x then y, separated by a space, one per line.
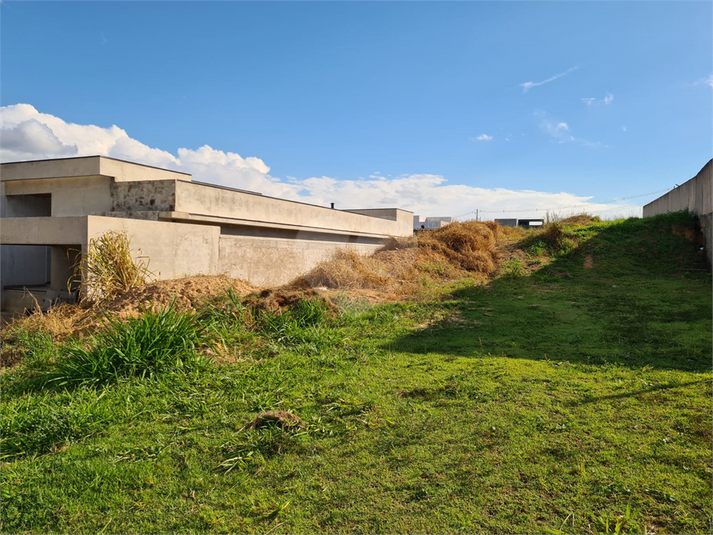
pixel 635 294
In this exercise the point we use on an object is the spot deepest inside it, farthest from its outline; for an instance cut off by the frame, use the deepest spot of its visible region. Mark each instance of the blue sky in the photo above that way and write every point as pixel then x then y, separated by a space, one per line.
pixel 368 102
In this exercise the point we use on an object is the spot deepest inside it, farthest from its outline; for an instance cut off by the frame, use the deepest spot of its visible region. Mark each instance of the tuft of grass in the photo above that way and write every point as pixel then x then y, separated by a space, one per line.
pixel 512 268
pixel 555 237
pixel 108 269
pixel 154 342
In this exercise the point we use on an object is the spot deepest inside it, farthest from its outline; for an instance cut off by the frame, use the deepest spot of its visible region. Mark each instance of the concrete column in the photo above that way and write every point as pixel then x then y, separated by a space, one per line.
pixel 64 258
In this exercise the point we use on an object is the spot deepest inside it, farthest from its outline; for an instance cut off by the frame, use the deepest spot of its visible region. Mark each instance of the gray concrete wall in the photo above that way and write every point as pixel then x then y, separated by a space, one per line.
pixel 183 228
pixel 85 166
pixel 694 195
pixel 27 265
pixel 275 261
pixel 200 199
pixel 173 250
pixel 71 196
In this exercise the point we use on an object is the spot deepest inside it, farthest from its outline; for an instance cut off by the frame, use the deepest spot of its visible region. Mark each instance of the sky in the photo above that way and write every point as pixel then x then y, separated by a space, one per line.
pixel 513 109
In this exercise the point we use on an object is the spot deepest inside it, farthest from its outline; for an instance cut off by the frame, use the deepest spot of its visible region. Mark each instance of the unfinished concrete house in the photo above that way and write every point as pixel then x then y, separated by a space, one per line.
pixel 51 209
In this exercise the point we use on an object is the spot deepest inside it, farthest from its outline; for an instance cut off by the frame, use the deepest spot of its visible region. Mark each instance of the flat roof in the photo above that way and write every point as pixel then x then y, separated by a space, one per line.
pixel 94 156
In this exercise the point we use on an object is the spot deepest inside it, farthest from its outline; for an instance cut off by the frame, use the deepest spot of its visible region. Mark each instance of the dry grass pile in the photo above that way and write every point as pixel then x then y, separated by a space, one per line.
pixel 186 294
pixel 470 245
pixel 280 300
pixel 60 321
pixel 346 269
pixel 452 252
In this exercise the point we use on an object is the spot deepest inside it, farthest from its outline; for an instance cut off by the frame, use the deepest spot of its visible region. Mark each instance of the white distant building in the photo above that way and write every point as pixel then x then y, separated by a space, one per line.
pixel 430 222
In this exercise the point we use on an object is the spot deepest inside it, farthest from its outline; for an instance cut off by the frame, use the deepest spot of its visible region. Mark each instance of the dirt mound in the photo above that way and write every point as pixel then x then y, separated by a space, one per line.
pixel 187 293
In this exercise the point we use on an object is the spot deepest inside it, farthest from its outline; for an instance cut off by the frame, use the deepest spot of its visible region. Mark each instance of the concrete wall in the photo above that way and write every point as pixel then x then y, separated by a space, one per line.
pixel 173 250
pixel 694 195
pixel 85 166
pixel 71 196
pixel 275 261
pixel 200 199
pixel 27 265
pixel 149 195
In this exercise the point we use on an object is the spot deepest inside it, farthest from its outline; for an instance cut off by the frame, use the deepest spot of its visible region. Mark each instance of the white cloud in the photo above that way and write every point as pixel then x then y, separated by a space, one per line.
pixel 27 134
pixel 529 85
pixel 590 101
pixel 484 137
pixel 558 131
pixel 705 81
pixel 623 128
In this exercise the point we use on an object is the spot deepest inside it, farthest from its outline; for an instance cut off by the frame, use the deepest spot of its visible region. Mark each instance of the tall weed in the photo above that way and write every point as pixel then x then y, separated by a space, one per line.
pixel 108 269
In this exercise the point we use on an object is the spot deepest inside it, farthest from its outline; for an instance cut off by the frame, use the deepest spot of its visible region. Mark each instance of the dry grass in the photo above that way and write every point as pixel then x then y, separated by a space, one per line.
pixel 402 265
pixel 60 321
pixel 108 270
pixel 581 220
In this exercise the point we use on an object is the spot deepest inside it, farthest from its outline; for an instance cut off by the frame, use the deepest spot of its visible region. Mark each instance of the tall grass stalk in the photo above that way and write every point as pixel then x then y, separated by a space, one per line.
pixel 107 269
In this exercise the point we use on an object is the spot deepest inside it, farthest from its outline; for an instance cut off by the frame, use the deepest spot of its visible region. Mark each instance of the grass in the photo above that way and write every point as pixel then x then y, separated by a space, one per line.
pixel 570 400
pixel 154 342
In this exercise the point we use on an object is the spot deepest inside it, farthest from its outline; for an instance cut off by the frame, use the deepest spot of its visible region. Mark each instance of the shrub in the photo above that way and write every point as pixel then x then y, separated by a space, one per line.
pixel 154 342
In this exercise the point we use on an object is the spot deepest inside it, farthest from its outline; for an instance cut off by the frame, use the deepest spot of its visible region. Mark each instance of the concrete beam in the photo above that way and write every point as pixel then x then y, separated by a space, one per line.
pixel 43 230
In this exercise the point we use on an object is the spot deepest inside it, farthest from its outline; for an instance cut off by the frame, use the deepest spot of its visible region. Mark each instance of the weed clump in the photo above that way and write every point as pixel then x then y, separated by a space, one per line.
pixel 555 237
pixel 107 269
pixel 152 343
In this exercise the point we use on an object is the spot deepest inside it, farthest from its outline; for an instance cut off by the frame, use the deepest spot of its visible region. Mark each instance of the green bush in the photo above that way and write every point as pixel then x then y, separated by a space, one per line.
pixel 154 342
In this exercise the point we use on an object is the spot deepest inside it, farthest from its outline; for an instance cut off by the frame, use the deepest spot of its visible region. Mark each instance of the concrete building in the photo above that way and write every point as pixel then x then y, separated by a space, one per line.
pixel 51 209
pixel 430 222
pixel 524 223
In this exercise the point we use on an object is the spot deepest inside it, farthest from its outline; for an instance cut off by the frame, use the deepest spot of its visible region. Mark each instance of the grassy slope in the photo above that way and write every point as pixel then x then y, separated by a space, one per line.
pixel 548 402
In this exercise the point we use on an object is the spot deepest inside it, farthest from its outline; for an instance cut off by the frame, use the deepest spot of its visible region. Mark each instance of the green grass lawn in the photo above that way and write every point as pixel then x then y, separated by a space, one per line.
pixel 572 400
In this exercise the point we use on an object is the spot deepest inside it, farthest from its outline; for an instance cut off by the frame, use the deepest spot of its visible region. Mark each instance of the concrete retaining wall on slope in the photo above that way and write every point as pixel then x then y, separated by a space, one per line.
pixel 693 195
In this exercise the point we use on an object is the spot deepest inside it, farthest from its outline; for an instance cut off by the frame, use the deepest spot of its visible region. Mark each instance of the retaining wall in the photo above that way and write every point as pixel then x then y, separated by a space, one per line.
pixel 693 195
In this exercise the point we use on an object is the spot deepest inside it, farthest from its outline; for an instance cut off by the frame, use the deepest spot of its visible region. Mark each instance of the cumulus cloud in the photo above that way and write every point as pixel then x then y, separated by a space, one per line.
pixel 26 134
pixel 529 85
pixel 484 137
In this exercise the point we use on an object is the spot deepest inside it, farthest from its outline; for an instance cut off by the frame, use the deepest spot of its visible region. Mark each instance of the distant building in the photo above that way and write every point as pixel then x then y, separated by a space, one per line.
pixel 524 223
pixel 430 222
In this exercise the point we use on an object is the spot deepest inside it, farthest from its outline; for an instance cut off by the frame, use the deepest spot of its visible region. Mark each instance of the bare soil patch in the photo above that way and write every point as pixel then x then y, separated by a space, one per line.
pixel 284 419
